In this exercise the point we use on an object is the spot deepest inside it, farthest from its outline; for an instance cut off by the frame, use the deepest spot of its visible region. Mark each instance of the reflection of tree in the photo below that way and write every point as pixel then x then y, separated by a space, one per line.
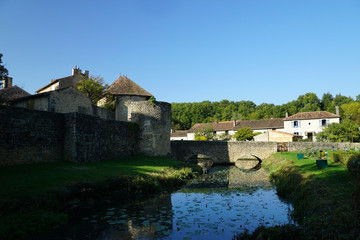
pixel 142 218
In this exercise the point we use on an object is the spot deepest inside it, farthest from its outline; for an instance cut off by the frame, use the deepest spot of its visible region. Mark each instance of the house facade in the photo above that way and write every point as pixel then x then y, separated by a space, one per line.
pixel 308 124
pixel 304 125
pixel 65 82
pixel 228 128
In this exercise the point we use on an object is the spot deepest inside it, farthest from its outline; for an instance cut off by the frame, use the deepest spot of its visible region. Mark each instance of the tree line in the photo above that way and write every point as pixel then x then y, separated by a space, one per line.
pixel 185 115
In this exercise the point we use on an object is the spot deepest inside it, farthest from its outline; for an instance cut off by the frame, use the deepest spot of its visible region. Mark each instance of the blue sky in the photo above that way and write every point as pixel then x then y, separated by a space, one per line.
pixel 189 50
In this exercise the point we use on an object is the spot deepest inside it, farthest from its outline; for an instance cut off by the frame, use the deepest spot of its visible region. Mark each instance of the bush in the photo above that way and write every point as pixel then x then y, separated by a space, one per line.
pixel 350 159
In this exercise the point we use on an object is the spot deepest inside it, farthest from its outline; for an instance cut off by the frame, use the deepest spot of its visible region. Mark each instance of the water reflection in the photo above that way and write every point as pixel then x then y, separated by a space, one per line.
pixel 214 206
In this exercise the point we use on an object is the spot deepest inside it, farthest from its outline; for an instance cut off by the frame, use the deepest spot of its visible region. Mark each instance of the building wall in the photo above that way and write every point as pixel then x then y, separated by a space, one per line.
pixel 53 87
pixel 29 136
pixel 64 101
pixel 122 112
pixel 309 125
pixel 279 137
pixel 154 119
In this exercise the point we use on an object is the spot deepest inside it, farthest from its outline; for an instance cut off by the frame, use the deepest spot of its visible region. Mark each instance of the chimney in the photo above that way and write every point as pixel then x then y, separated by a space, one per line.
pixel 86 73
pixel 234 122
pixel 337 110
pixel 76 70
pixel 6 81
pixel 286 114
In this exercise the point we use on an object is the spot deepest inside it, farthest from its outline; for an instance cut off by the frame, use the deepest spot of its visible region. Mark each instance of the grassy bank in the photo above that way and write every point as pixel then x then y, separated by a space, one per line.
pixel 40 196
pixel 326 202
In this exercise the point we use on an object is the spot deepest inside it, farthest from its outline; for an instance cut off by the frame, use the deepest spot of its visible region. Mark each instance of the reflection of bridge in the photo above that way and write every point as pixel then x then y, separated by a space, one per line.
pixel 222 152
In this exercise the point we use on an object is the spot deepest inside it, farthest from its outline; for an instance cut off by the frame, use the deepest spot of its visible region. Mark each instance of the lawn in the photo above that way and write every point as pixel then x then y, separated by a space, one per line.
pixel 33 179
pixel 326 201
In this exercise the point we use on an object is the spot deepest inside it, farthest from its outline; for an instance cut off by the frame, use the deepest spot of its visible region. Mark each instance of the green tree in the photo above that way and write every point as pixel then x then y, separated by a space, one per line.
pixel 204 134
pixel 92 87
pixel 347 131
pixel 327 102
pixel 351 111
pixel 245 133
pixel 3 71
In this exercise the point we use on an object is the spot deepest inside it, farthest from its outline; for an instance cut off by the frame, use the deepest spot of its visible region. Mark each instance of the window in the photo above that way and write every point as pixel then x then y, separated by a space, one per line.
pixel 295 124
pixel 296 133
pixel 323 122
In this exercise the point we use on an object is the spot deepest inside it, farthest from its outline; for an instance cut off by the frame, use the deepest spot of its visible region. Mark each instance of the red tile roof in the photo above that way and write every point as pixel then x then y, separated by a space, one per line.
pixel 217 126
pixel 125 86
pixel 312 115
pixel 261 124
pixel 179 133
pixel 11 93
pixel 253 124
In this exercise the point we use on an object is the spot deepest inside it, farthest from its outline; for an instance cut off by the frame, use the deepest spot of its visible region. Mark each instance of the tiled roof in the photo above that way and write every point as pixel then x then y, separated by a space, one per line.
pixel 217 126
pixel 125 86
pixel 180 133
pixel 253 124
pixel 311 115
pixel 11 93
pixel 261 124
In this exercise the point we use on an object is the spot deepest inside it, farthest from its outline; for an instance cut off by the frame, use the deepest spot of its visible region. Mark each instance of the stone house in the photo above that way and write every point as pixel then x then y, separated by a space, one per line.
pixel 9 93
pixel 65 82
pixel 64 100
pixel 308 124
pixel 125 92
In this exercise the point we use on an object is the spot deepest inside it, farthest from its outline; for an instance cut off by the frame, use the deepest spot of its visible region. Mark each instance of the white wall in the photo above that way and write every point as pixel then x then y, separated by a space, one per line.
pixel 308 125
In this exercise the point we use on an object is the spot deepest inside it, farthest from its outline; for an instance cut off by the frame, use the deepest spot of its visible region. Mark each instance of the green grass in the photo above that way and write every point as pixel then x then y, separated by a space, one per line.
pixel 326 201
pixel 33 179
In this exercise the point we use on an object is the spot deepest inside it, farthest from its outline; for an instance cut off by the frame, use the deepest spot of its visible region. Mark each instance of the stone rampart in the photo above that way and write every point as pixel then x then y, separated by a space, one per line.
pixel 154 119
pixel 28 136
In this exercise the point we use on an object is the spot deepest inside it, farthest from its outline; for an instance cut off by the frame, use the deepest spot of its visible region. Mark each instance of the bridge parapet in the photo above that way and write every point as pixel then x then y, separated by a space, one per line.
pixel 222 152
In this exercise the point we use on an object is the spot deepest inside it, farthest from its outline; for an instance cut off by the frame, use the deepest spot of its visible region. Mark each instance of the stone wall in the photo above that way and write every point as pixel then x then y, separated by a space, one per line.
pixel 28 136
pixel 154 119
pixel 222 152
pixel 301 146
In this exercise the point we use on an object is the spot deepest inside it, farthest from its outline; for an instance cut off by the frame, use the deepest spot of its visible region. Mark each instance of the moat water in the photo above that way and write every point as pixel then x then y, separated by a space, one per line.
pixel 218 205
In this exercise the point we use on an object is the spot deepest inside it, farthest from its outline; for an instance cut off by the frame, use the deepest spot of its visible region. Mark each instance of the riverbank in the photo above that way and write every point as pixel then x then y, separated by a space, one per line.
pixel 39 197
pixel 326 202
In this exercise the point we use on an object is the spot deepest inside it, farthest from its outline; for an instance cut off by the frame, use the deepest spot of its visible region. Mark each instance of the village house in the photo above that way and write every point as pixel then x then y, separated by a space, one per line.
pixel 304 125
pixel 8 92
pixel 65 82
pixel 308 124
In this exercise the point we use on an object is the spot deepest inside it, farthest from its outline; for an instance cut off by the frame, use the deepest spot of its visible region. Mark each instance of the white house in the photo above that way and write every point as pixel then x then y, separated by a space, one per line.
pixel 230 127
pixel 308 124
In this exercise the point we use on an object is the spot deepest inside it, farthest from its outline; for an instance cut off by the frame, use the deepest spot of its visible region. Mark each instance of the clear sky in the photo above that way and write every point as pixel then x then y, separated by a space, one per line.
pixel 189 50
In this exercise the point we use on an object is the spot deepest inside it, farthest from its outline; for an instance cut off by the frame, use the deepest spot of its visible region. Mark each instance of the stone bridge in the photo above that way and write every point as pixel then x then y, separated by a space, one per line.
pixel 222 152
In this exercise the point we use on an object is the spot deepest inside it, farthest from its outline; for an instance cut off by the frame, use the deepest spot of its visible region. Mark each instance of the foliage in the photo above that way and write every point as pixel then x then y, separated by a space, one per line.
pixel 204 134
pixel 245 134
pixel 92 87
pixel 350 159
pixel 110 103
pixel 185 115
pixel 351 111
pixel 222 137
pixel 3 71
pixel 347 131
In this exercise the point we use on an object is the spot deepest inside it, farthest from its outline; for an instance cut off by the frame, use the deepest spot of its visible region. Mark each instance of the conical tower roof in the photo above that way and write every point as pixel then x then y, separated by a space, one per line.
pixel 125 86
